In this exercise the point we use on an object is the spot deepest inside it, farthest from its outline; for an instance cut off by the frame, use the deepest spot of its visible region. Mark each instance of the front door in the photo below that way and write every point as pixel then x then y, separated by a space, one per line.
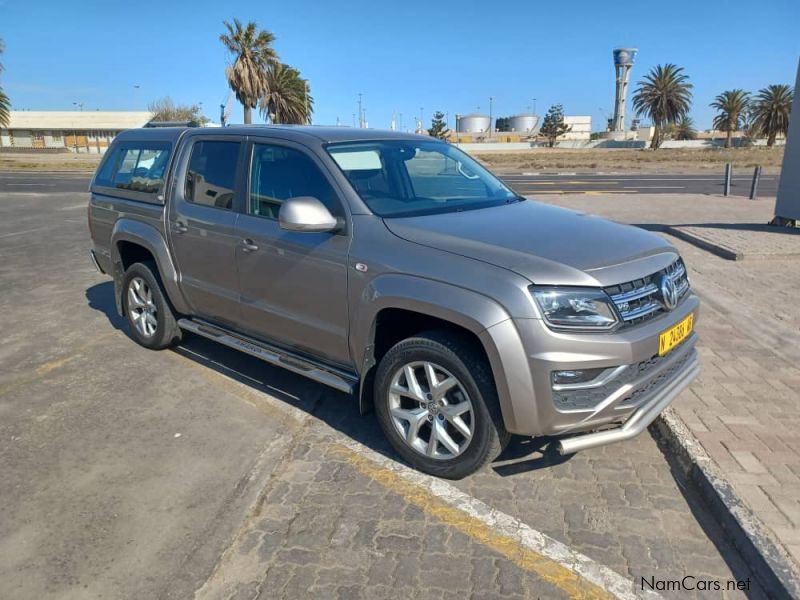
pixel 202 227
pixel 293 285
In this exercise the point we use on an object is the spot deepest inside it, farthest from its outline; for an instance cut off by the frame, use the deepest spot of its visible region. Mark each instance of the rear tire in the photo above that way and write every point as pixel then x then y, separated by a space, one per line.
pixel 148 312
pixel 449 428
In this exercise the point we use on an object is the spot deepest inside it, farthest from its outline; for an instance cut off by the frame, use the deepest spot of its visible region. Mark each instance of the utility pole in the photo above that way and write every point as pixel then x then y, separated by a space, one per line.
pixel 491 125
pixel 360 113
pixel 421 118
pixel 534 106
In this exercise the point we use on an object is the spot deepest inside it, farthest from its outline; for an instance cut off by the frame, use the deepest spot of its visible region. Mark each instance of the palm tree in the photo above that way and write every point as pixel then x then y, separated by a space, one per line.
pixel 287 98
pixel 253 53
pixel 684 129
pixel 732 106
pixel 5 103
pixel 771 111
pixel 664 96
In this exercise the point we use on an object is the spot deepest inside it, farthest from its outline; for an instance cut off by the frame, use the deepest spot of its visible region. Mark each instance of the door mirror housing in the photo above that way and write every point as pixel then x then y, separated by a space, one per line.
pixel 306 214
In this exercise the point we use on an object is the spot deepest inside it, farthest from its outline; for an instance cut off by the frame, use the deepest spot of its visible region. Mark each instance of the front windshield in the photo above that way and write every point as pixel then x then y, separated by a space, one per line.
pixel 404 178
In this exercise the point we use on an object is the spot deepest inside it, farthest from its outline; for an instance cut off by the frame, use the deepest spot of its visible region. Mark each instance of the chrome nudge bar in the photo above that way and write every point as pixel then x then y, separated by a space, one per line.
pixel 643 416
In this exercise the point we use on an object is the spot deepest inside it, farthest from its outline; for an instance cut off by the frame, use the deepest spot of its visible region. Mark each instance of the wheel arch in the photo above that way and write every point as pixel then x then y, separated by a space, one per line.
pixel 130 240
pixel 395 307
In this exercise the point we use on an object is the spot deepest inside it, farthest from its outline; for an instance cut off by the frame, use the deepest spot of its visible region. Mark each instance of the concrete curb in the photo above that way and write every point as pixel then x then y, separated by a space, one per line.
pixel 721 251
pixel 769 562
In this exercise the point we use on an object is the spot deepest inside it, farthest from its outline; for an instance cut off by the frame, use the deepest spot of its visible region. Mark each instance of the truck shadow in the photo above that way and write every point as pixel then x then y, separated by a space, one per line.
pixel 337 409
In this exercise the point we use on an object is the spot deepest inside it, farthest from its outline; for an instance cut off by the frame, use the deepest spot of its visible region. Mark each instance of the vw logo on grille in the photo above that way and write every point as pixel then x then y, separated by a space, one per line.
pixel 669 293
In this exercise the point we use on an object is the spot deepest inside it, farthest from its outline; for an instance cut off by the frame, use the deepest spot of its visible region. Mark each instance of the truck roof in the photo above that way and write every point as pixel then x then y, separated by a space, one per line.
pixel 298 132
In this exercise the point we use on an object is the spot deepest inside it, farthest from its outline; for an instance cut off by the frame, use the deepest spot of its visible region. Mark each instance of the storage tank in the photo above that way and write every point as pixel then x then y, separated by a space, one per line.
pixel 524 123
pixel 473 123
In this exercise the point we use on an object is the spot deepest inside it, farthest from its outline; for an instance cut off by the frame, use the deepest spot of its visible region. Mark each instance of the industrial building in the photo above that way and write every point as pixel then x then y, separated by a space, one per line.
pixel 474 127
pixel 75 131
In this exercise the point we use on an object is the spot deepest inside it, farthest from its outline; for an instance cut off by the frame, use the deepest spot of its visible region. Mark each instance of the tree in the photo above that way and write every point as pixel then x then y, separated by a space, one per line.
pixel 253 54
pixel 664 96
pixel 5 103
pixel 553 125
pixel 164 109
pixel 286 97
pixel 771 111
pixel 684 129
pixel 438 127
pixel 503 124
pixel 732 109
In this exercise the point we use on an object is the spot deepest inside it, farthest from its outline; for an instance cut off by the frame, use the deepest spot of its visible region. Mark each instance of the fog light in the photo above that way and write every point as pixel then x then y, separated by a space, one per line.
pixel 575 376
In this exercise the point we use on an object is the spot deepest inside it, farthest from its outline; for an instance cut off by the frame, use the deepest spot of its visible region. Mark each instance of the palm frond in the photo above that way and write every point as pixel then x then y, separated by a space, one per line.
pixel 287 98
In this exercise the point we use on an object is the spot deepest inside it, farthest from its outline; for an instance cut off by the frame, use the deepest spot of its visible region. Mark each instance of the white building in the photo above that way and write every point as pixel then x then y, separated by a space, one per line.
pixel 581 128
pixel 77 131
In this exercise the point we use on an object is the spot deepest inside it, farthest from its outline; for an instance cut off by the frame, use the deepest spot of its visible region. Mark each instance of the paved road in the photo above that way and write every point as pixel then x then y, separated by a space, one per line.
pixel 43 183
pixel 541 184
pixel 526 184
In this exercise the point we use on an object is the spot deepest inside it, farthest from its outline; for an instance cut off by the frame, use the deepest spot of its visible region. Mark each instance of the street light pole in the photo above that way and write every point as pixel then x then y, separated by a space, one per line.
pixel 491 125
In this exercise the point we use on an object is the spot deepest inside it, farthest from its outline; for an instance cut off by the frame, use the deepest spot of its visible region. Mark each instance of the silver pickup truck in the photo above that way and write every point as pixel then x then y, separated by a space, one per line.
pixel 397 269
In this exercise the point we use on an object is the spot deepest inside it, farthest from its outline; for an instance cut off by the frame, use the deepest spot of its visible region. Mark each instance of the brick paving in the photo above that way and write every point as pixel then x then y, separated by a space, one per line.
pixel 745 406
pixel 742 241
pixel 622 506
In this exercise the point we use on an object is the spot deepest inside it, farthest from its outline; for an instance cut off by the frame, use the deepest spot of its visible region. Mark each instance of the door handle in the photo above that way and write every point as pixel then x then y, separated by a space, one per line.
pixel 179 228
pixel 248 245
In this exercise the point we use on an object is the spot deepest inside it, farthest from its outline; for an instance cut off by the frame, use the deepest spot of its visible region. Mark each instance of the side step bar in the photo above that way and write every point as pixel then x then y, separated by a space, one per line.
pixel 335 378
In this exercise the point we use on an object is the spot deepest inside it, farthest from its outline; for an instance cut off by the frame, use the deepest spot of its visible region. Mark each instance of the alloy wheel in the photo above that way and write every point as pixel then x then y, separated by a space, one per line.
pixel 431 410
pixel 141 307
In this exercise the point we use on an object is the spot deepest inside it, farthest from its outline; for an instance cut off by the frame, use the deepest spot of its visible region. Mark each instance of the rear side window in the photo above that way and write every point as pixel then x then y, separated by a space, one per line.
pixel 211 176
pixel 136 167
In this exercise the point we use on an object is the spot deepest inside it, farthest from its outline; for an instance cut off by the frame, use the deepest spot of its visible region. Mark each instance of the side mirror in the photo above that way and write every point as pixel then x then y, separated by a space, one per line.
pixel 307 214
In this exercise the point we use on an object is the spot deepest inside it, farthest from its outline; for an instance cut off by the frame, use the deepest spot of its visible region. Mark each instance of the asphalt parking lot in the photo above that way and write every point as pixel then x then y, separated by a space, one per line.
pixel 201 471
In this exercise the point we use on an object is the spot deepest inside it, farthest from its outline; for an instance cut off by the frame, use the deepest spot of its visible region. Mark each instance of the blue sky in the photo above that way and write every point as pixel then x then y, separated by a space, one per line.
pixel 403 56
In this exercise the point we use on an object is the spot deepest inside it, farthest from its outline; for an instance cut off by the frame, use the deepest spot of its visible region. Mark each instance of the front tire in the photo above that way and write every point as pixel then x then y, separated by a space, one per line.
pixel 436 402
pixel 150 317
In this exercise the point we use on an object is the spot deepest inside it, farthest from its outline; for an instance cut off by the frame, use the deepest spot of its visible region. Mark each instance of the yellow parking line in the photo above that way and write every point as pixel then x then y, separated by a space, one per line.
pixel 525 558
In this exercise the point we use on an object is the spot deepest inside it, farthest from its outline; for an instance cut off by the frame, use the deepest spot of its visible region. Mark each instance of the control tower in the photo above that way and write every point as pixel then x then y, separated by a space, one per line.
pixel 623 63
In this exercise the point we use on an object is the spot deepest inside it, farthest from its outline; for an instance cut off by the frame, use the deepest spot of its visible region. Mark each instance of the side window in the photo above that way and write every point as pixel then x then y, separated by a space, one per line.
pixel 211 175
pixel 140 167
pixel 278 173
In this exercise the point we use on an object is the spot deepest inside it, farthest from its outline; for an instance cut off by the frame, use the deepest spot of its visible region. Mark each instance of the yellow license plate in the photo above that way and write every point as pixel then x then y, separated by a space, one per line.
pixel 675 335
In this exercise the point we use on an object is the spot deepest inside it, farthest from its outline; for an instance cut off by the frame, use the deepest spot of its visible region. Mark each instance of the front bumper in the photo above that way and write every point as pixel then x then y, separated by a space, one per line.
pixel 643 383
pixel 644 415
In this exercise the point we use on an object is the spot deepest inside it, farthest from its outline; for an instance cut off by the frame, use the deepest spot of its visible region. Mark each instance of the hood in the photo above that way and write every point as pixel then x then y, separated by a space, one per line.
pixel 546 244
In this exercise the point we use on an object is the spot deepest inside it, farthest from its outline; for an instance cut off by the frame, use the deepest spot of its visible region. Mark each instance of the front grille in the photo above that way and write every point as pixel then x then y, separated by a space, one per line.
pixel 639 395
pixel 588 399
pixel 640 299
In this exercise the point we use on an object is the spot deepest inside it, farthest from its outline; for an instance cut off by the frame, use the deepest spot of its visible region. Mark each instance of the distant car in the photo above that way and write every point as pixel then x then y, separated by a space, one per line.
pixel 396 268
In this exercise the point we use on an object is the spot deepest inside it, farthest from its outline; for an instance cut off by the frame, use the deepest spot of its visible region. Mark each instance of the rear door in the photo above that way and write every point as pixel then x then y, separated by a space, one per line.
pixel 206 196
pixel 293 285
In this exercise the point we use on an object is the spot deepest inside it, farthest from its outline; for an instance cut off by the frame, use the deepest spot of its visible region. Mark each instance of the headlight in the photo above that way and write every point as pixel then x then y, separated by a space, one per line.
pixel 575 308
